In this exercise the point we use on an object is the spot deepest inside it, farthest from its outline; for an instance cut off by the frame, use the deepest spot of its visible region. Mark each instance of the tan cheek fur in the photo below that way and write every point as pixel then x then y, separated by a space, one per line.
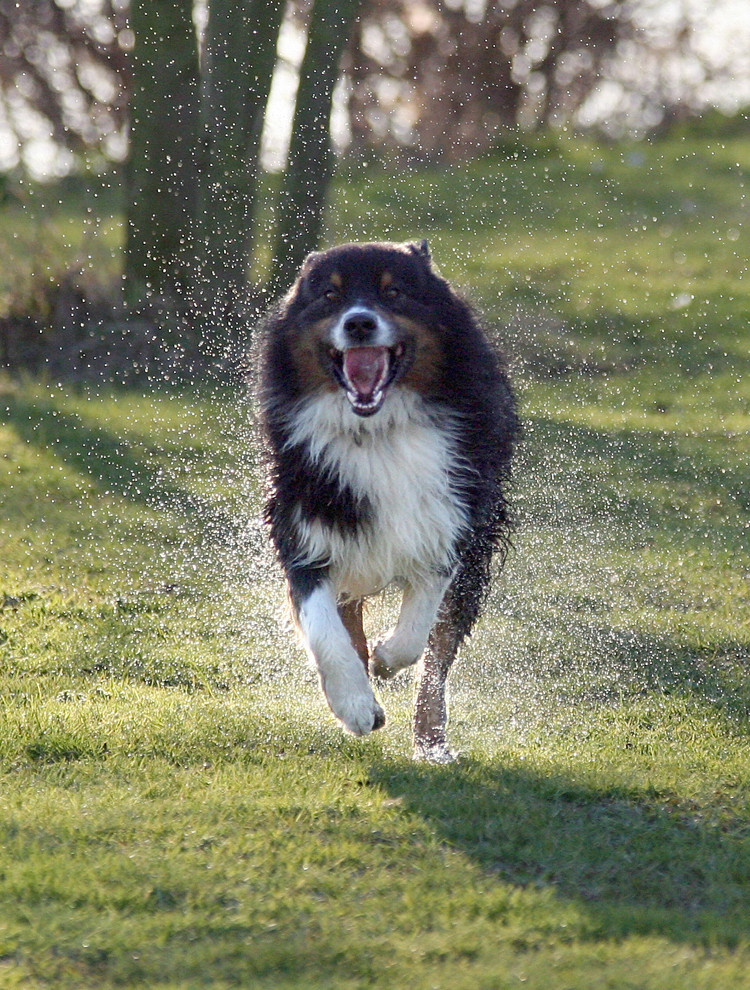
pixel 428 360
pixel 305 349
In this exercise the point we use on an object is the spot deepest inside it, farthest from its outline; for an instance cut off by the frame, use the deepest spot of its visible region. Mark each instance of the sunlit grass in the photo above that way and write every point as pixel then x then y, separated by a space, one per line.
pixel 178 808
pixel 609 255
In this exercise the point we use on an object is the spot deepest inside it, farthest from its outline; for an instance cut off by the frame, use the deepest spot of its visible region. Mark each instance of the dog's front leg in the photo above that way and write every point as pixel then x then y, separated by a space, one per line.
pixel 343 676
pixel 404 645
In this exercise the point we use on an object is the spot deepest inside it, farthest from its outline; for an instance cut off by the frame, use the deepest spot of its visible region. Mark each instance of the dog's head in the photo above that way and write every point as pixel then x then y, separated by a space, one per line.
pixel 361 317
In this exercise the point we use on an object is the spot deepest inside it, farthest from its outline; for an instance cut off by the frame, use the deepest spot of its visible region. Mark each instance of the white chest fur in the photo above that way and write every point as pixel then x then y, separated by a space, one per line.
pixel 403 463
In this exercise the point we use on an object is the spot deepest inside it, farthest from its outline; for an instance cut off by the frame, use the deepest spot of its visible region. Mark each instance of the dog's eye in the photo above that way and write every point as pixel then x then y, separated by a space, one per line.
pixel 391 292
pixel 331 294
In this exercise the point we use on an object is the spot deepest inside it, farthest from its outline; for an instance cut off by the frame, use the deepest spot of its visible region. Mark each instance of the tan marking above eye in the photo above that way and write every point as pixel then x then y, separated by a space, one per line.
pixel 387 287
pixel 336 280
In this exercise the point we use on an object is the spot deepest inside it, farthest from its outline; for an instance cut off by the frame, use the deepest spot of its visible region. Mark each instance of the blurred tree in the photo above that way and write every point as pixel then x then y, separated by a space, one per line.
pixel 64 75
pixel 446 79
pixel 310 161
pixel 162 189
pixel 239 58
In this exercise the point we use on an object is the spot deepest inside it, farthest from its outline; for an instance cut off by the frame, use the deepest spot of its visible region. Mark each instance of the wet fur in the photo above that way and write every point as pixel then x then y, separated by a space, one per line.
pixel 415 492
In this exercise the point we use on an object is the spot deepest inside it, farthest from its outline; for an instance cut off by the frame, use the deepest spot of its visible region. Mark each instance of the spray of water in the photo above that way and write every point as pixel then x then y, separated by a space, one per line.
pixel 595 604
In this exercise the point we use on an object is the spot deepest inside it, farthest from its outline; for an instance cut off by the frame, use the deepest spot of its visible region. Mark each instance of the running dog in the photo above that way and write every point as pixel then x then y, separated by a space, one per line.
pixel 389 425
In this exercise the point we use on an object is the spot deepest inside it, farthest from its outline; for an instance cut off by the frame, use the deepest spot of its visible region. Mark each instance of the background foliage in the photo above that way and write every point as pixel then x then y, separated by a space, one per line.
pixel 429 81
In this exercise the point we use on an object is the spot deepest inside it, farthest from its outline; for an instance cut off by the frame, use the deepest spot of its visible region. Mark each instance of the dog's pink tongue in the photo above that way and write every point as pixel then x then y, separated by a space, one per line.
pixel 365 368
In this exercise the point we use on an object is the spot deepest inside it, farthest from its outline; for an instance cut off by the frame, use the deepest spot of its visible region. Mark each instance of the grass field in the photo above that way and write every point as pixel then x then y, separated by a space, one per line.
pixel 178 808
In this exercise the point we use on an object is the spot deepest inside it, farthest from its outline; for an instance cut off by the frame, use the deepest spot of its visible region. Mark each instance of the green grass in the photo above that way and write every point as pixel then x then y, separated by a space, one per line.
pixel 177 807
pixel 48 232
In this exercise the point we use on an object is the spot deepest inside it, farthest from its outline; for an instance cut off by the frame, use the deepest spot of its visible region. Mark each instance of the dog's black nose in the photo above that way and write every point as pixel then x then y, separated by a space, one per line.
pixel 359 327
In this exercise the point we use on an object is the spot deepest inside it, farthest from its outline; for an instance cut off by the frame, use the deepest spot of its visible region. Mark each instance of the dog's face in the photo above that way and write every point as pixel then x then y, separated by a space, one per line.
pixel 361 318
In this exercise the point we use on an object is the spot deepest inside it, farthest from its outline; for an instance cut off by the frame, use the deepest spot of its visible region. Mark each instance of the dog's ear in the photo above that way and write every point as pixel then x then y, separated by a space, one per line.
pixel 300 288
pixel 421 248
pixel 309 262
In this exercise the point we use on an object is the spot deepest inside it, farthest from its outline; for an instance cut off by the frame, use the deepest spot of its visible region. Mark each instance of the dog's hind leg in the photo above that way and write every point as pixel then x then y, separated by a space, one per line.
pixel 430 704
pixel 351 616
pixel 458 613
pixel 343 676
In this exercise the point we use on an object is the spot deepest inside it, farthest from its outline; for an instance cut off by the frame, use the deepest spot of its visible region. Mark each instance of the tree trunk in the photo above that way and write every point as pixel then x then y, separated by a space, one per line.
pixel 161 170
pixel 310 163
pixel 238 65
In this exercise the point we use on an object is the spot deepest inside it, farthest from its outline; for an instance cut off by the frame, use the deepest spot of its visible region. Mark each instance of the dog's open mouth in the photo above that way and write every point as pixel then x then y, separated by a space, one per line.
pixel 365 374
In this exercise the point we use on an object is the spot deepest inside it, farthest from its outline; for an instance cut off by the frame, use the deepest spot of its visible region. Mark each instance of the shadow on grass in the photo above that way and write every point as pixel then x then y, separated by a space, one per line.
pixel 636 863
pixel 612 471
pixel 107 459
pixel 587 660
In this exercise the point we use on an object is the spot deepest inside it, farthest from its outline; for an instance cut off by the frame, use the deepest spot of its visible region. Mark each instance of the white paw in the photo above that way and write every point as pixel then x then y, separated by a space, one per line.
pixel 352 702
pixel 390 656
pixel 434 753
